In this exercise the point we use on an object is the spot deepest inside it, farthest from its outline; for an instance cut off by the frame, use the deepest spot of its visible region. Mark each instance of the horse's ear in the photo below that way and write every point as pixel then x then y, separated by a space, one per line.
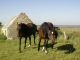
pixel 21 22
pixel 17 23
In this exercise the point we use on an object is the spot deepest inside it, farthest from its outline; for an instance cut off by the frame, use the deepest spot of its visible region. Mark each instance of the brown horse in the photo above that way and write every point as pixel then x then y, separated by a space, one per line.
pixel 26 30
pixel 46 32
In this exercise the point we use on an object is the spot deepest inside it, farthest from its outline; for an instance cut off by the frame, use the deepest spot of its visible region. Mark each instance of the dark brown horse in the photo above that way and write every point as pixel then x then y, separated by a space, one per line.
pixel 26 30
pixel 46 32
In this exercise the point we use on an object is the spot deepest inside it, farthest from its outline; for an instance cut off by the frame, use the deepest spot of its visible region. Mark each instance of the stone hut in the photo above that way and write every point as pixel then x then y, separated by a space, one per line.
pixel 10 28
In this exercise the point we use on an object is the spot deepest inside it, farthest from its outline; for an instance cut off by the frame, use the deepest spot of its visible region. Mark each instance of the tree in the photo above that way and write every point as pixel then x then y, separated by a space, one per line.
pixel 0 23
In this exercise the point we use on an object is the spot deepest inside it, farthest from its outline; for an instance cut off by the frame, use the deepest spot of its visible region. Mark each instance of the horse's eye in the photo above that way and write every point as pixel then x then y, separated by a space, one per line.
pixel 52 32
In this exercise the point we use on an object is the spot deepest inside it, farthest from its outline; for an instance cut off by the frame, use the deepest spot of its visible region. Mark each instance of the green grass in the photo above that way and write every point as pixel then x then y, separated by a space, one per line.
pixel 63 50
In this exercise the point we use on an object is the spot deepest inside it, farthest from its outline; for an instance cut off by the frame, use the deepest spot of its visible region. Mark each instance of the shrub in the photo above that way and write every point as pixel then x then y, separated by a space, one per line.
pixel 2 37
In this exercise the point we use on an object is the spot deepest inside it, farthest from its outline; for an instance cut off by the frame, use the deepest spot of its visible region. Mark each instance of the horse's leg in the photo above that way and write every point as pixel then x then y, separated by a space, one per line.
pixel 20 44
pixel 46 45
pixel 39 44
pixel 34 38
pixel 29 41
pixel 52 43
pixel 25 43
pixel 56 35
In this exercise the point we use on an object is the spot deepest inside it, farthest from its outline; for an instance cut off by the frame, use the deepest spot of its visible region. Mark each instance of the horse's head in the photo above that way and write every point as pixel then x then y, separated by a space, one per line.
pixel 19 26
pixel 51 34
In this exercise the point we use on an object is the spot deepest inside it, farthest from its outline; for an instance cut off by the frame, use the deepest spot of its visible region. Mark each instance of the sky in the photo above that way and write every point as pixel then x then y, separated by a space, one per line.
pixel 59 12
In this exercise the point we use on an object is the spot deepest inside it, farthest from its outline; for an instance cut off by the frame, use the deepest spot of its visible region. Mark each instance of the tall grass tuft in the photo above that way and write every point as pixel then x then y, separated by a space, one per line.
pixel 3 37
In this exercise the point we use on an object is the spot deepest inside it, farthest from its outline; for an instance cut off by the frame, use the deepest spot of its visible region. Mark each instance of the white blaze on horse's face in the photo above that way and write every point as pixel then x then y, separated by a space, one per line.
pixel 52 32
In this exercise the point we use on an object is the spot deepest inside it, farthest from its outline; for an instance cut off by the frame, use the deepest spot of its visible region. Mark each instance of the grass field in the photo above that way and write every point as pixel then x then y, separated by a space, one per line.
pixel 63 50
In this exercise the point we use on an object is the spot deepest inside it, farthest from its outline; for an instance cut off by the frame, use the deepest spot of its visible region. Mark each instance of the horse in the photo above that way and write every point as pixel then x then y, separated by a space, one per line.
pixel 46 32
pixel 26 30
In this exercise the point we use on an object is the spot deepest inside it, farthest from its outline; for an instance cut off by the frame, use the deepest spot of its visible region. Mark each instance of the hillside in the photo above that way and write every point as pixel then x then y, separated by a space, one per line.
pixel 68 26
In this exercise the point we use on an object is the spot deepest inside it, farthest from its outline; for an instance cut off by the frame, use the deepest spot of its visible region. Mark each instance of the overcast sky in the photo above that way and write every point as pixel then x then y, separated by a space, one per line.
pixel 59 12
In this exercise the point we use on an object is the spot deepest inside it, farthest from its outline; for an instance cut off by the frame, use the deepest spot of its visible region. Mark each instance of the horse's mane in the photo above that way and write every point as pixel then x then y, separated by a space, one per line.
pixel 45 27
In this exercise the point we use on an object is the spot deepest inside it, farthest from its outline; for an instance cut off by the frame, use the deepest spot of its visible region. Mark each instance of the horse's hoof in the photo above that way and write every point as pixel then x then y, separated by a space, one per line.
pixel 19 51
pixel 46 52
pixel 24 47
pixel 29 46
pixel 35 44
pixel 43 49
pixel 38 49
